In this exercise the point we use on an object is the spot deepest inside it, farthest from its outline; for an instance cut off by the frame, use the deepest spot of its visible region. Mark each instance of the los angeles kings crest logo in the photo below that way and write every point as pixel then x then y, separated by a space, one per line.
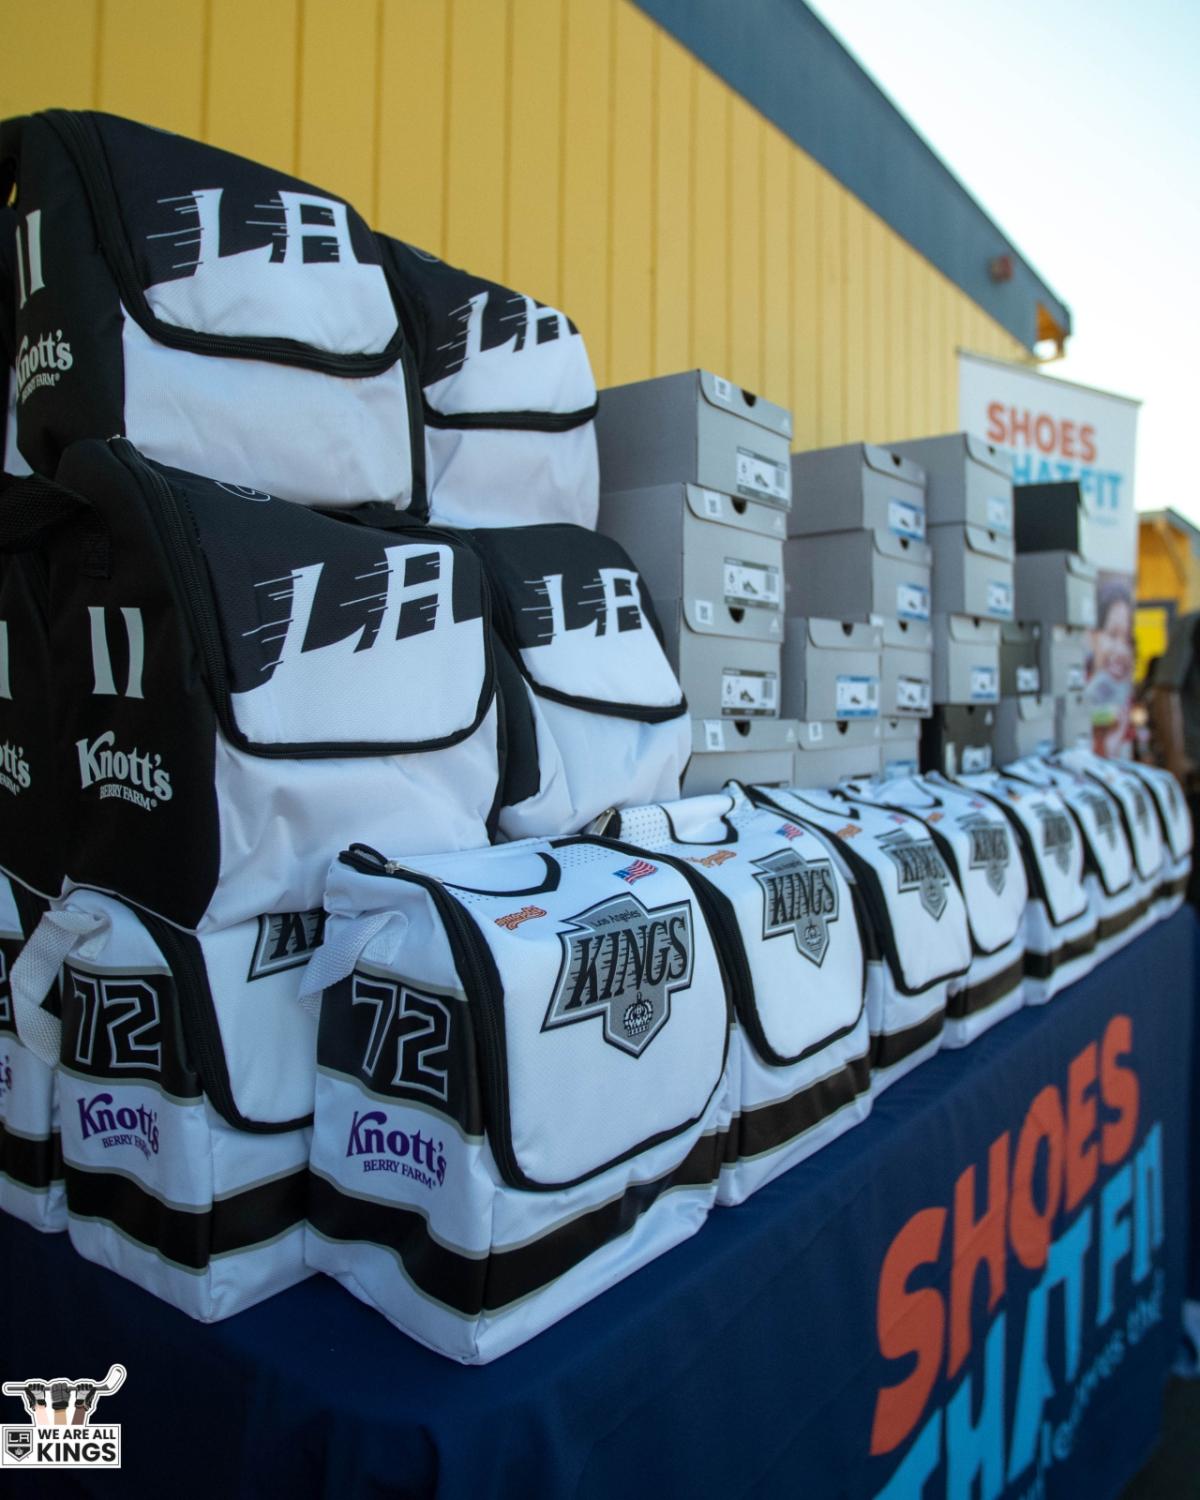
pixel 622 962
pixel 990 850
pixel 920 869
pixel 800 897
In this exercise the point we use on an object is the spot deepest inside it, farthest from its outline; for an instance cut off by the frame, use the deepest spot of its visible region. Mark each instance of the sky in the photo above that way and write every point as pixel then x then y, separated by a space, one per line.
pixel 1076 125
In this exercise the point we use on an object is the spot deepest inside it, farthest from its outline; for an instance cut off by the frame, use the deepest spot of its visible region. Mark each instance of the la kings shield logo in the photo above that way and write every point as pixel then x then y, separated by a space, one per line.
pixel 1102 811
pixel 990 850
pixel 920 868
pixel 1141 809
pixel 1056 835
pixel 622 962
pixel 800 896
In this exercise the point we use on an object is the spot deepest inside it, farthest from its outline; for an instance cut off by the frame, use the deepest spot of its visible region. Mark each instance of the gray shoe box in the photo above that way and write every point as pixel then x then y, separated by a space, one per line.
pixel 1062 652
pixel 1020 641
pixel 1024 726
pixel 722 677
pixel 972 571
pixel 827 752
pixel 690 543
pixel 1072 721
pixel 856 485
pixel 758 752
pixel 907 669
pixel 966 659
pixel 1057 588
pixel 959 738
pixel 697 428
pixel 900 746
pixel 831 670
pixel 966 480
pixel 852 575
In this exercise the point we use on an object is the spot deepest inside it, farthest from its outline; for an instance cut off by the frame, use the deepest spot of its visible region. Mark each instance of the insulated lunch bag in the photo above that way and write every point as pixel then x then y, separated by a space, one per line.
pixel 31 1185
pixel 1060 921
pixel 915 910
pixel 1176 822
pixel 787 924
pixel 606 719
pixel 186 1069
pixel 521 1087
pixel 1119 903
pixel 238 680
pixel 229 319
pixel 508 397
pixel 1139 813
pixel 974 839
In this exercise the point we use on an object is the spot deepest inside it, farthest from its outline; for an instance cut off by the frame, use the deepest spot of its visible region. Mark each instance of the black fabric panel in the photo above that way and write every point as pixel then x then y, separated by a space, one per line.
pixel 1043 965
pixel 773 1125
pixel 32 1164
pixel 889 1048
pixel 981 996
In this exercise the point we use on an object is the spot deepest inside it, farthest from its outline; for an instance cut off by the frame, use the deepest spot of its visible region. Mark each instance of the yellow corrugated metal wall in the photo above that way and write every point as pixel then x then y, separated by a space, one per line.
pixel 569 147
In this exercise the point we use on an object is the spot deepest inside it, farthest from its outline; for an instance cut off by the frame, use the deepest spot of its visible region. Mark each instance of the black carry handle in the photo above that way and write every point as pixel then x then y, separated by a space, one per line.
pixel 31 506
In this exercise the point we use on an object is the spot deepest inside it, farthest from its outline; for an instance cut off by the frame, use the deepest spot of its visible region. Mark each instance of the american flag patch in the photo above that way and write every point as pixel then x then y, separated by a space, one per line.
pixel 789 830
pixel 636 870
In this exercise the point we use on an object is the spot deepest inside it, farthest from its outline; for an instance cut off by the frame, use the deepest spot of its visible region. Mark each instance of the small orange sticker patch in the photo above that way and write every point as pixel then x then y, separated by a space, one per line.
pixel 935 817
pixel 710 861
pixel 850 831
pixel 514 919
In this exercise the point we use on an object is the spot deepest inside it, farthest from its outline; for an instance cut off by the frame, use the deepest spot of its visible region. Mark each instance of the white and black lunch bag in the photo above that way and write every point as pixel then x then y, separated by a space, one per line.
pixel 521 1086
pixel 1176 823
pixel 185 1073
pixel 238 680
pixel 508 397
pixel 31 1181
pixel 1139 812
pixel 1060 920
pixel 788 927
pixel 1118 900
pixel 605 721
pixel 981 852
pixel 915 910
pixel 229 319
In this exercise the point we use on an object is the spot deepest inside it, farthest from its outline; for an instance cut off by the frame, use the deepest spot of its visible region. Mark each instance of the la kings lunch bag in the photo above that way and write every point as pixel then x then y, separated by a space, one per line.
pixel 186 1068
pixel 229 319
pixel 31 1182
pixel 1176 823
pixel 915 910
pixel 1060 920
pixel 974 839
pixel 237 681
pixel 508 397
pixel 787 925
pixel 606 722
pixel 521 1085
pixel 1139 813
pixel 1116 897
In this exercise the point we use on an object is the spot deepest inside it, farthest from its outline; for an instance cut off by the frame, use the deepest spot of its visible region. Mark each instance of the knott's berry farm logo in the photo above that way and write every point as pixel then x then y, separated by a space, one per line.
pixel 60 1433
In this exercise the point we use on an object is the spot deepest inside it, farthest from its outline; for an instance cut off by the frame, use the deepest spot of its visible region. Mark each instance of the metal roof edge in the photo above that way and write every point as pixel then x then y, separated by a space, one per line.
pixel 783 59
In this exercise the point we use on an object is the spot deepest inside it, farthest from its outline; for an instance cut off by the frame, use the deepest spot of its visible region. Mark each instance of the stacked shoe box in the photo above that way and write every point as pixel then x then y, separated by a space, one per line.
pixel 1056 586
pixel 857 556
pixel 696 486
pixel 969 504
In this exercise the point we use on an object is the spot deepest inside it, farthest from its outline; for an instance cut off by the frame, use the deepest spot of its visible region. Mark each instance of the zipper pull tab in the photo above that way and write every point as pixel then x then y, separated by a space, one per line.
pixel 599 825
pixel 362 855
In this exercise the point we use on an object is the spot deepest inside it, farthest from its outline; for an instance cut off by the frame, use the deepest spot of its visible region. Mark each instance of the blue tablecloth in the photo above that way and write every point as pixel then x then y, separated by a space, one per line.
pixel 770 1354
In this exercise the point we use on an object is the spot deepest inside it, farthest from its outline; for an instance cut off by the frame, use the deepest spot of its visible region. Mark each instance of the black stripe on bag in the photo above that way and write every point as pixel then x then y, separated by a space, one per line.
pixel 33 1164
pixel 472 1285
pixel 1171 888
pixel 1043 965
pixel 758 1131
pixel 988 992
pixel 1111 927
pixel 188 1237
pixel 890 1048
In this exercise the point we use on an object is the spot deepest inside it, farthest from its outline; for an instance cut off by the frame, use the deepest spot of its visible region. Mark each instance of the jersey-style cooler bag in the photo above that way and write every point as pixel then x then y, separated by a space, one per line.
pixel 508 397
pixel 1176 824
pixel 1060 920
pixel 787 925
pixel 227 318
pixel 31 1184
pixel 238 681
pixel 1117 899
pixel 606 722
pixel 521 1086
pixel 185 1072
pixel 914 908
pixel 1139 814
pixel 980 851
